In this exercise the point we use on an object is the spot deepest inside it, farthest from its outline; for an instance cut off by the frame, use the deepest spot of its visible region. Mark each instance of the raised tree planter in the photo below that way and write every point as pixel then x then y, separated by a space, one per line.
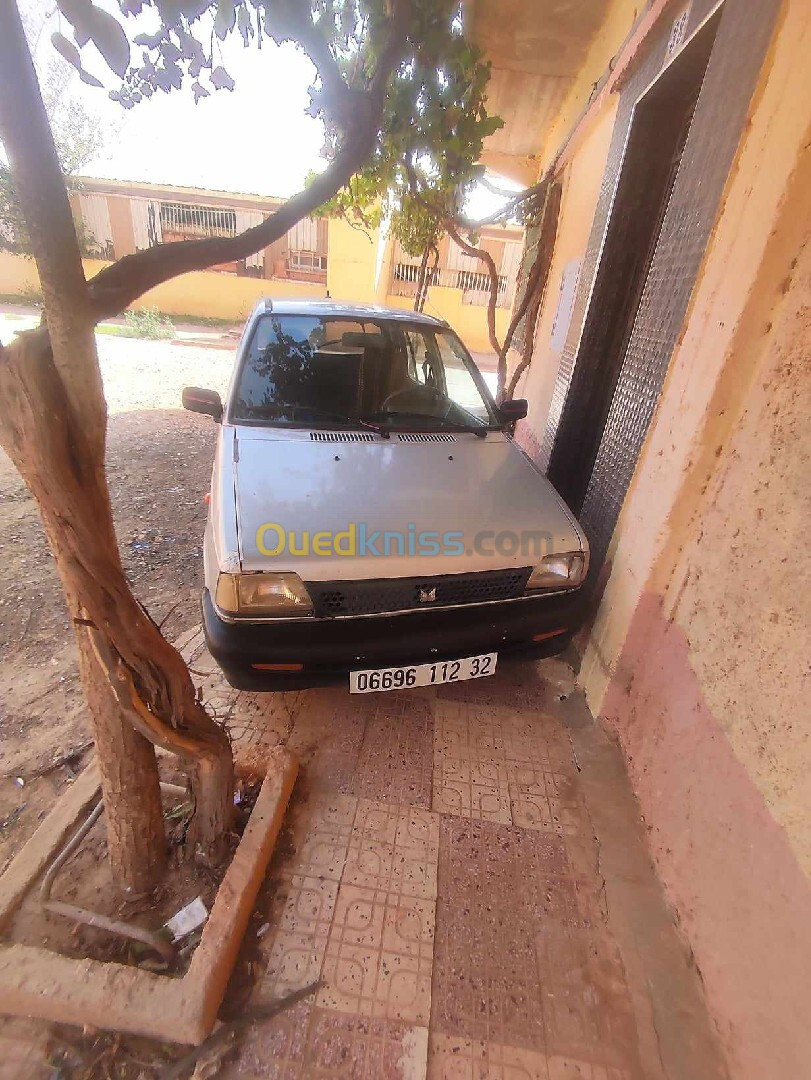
pixel 37 983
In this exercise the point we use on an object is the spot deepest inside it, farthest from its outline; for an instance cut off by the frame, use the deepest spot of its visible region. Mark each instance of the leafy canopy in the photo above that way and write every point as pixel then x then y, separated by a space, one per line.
pixel 427 159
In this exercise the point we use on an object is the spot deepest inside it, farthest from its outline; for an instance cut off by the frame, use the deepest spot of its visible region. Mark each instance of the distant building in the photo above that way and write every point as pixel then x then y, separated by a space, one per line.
pixel 117 217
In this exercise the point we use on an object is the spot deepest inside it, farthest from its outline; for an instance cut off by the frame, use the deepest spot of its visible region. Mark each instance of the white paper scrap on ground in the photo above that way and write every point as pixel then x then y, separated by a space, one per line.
pixel 187 919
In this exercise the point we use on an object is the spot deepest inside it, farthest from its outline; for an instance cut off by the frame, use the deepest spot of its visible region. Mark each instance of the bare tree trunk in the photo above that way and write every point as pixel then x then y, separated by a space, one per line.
pixel 137 685
pixel 53 426
pixel 530 304
pixel 419 298
pixel 136 837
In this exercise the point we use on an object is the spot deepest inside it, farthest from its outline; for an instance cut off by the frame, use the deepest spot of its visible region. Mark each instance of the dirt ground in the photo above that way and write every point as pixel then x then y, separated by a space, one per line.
pixel 159 464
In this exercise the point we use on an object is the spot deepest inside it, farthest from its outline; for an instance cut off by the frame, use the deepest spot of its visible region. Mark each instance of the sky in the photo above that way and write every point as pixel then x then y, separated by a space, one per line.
pixel 254 139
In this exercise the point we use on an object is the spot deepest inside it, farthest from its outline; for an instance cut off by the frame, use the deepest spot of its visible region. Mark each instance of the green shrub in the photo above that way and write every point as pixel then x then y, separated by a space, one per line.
pixel 148 323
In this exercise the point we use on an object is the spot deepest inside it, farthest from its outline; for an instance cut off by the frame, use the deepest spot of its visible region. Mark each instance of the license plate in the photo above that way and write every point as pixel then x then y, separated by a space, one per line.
pixel 443 671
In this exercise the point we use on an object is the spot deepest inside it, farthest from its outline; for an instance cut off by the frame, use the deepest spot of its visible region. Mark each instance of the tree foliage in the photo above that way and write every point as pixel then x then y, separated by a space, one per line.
pixel 434 126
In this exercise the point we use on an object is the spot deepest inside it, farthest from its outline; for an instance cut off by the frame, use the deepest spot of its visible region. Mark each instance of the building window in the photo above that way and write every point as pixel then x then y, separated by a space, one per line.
pixel 185 219
pixel 307 260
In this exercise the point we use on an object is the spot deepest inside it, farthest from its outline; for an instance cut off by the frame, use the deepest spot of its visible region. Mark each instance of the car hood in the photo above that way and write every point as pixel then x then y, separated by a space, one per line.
pixel 484 489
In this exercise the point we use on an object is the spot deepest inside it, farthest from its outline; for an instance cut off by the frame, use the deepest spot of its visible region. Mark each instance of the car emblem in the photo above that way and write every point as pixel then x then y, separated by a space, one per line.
pixel 427 595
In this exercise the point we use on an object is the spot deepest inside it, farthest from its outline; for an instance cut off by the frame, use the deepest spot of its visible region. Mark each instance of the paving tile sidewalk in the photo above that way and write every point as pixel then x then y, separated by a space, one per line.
pixel 441 878
pixel 464 871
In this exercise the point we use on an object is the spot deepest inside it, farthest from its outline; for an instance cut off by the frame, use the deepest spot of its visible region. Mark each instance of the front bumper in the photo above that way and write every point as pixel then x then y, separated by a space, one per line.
pixel 330 648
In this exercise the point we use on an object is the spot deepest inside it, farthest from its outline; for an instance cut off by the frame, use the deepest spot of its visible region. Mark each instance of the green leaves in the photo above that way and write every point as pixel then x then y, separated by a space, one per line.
pixel 224 19
pixel 91 23
pixel 69 51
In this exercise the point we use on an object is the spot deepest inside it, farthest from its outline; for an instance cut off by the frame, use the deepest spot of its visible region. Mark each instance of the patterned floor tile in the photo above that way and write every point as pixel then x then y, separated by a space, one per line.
pixel 320 830
pixel 393 848
pixel 316 1043
pixel 327 737
pixel 523 955
pixel 272 1049
pixel 379 954
pixel 543 799
pixel 365 1048
pixel 479 791
pixel 301 916
pixel 491 764
pixel 395 760
pixel 451 1058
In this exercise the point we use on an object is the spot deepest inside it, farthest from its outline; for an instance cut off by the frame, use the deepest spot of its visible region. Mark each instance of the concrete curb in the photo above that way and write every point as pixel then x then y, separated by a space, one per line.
pixel 51 834
pixel 37 983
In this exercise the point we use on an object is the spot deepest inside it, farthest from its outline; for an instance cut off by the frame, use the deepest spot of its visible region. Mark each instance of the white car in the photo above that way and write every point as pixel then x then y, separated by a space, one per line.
pixel 371 520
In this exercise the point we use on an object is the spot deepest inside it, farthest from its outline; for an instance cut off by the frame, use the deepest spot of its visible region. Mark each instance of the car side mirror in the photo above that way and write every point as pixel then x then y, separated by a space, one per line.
pixel 514 409
pixel 207 402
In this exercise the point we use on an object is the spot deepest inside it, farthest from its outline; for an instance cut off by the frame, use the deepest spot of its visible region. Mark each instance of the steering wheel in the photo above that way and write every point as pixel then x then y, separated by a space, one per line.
pixel 420 393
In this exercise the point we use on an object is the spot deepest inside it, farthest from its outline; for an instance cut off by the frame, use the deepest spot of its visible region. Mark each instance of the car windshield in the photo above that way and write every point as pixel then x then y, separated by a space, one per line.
pixel 333 371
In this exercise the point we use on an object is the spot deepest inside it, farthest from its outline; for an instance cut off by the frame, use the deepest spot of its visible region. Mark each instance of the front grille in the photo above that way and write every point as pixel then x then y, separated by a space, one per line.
pixel 341 436
pixel 379 595
pixel 427 436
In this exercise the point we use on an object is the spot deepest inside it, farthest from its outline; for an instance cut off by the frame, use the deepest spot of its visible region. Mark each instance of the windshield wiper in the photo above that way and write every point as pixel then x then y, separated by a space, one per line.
pixel 453 425
pixel 335 418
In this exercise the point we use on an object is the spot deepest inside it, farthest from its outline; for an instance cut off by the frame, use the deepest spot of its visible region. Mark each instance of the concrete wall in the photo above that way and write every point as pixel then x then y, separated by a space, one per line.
pixel 699 654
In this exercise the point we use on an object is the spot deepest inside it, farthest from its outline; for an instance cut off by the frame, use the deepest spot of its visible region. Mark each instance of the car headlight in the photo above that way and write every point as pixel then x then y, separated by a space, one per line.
pixel 265 594
pixel 559 571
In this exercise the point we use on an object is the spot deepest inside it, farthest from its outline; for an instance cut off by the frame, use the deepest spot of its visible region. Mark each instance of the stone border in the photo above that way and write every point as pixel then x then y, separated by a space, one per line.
pixel 38 983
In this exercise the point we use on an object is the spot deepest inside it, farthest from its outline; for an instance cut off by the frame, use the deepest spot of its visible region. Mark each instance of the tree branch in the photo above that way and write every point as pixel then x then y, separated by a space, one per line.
pixel 451 228
pixel 509 209
pixel 117 286
pixel 483 256
pixel 536 285
pixel 38 179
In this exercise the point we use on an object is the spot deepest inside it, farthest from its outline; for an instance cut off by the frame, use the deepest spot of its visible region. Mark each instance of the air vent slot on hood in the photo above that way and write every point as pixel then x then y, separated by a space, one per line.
pixel 341 436
pixel 427 436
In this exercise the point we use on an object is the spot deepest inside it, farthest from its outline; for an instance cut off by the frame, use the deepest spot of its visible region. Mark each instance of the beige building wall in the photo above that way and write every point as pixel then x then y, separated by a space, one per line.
pixel 619 20
pixel 121 225
pixel 581 186
pixel 699 654
pixel 698 657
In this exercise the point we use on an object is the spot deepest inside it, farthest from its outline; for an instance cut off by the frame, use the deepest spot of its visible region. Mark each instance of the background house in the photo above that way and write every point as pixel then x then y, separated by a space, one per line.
pixel 317 255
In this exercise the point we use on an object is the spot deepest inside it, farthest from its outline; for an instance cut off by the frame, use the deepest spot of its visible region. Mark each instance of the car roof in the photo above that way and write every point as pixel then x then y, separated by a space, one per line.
pixel 287 306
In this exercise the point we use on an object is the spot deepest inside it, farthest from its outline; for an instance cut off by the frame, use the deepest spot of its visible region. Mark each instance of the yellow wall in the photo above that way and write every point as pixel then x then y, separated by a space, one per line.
pixel 699 650
pixel 351 277
pixel 204 293
pixel 221 296
pixel 18 275
pixel 468 320
pixel 725 324
pixel 351 263
pixel 581 189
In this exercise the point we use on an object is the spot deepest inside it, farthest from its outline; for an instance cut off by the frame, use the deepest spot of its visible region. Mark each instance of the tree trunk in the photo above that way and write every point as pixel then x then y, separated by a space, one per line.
pixel 136 837
pixel 137 685
pixel 422 289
